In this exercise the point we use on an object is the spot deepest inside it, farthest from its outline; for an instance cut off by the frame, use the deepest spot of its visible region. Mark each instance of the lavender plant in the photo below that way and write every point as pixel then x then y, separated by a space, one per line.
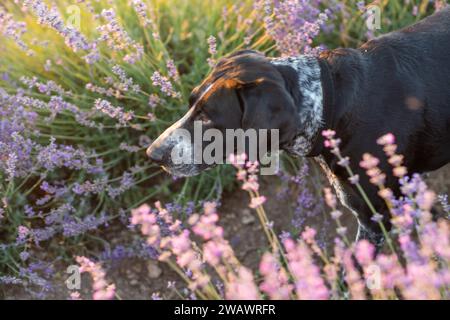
pixel 300 268
pixel 79 103
pixel 78 111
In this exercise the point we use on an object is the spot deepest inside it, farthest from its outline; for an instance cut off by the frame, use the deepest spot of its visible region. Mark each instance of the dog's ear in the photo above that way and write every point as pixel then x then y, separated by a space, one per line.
pixel 290 78
pixel 268 105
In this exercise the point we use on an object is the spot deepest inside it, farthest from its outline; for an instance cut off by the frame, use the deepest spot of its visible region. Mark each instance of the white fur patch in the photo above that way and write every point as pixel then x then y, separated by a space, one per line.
pixel 178 142
pixel 311 109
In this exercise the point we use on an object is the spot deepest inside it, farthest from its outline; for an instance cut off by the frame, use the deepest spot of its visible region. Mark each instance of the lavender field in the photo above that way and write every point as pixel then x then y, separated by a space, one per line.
pixel 87 85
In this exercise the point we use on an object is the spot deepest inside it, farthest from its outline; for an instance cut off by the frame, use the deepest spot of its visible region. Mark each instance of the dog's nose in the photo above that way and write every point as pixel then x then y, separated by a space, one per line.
pixel 155 154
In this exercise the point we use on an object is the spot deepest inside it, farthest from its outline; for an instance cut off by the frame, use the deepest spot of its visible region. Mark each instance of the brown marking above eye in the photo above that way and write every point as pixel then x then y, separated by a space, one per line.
pixel 196 97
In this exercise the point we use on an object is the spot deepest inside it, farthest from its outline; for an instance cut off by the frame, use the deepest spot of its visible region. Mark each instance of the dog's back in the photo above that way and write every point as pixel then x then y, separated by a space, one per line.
pixel 398 83
pixel 432 36
pixel 409 84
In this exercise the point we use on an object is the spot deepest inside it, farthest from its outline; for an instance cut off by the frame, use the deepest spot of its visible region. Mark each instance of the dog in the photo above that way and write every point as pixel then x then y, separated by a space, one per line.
pixel 398 83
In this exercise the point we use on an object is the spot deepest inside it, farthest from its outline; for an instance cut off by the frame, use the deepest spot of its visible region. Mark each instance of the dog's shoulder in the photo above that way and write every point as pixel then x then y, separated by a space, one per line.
pixel 436 23
pixel 428 39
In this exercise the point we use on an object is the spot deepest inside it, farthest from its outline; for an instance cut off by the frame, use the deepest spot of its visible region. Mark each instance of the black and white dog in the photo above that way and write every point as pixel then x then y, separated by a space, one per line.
pixel 398 83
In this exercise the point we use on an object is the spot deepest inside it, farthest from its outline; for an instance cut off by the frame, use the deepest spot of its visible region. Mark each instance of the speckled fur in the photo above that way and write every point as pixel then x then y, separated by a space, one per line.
pixel 311 109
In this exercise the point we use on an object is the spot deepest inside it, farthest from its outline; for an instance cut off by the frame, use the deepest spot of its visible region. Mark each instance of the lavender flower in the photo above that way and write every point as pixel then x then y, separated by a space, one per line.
pixel 46 88
pixel 14 30
pixel 125 83
pixel 212 43
pixel 146 19
pixel 114 112
pixel 172 70
pixel 153 100
pixel 141 10
pixel 51 17
pixel 212 49
pixel 72 227
pixel 294 24
pixel 128 148
pixel 117 38
pixel 57 156
pixel 10 280
pixel 22 233
pixel 165 85
pixel 126 182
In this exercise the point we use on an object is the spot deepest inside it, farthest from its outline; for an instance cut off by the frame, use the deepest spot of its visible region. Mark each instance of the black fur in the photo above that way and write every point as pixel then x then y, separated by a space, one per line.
pixel 398 83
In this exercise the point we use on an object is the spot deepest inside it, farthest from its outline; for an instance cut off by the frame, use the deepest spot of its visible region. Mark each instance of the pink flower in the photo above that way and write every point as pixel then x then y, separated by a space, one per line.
pixel 426 200
pixel 355 284
pixel 329 134
pixel 400 172
pixel 377 178
pixel 251 185
pixel 181 242
pixel 210 208
pixel 185 258
pixel 330 198
pixel 257 201
pixel 237 160
pixel 275 283
pixel 242 287
pixel 205 226
pixel 213 251
pixel 22 232
pixel 75 295
pixel 396 160
pixel 386 139
pixel 247 171
pixel 148 221
pixel 309 284
pixel 102 291
pixel 386 193
pixel 369 161
pixel 309 234
pixel 364 252
pixel 332 143
pixel 241 175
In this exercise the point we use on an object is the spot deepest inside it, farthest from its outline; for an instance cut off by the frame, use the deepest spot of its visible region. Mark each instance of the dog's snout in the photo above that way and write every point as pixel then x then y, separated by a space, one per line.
pixel 156 154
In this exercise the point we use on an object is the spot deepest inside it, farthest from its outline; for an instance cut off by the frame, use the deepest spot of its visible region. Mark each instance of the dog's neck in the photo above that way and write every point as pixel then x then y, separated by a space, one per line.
pixel 310 77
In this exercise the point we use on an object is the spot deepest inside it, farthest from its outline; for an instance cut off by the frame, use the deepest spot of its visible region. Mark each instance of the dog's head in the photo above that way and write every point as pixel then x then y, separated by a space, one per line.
pixel 244 91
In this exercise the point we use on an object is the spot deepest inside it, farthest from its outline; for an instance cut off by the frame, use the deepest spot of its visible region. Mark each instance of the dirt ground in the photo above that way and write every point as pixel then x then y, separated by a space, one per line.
pixel 139 278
